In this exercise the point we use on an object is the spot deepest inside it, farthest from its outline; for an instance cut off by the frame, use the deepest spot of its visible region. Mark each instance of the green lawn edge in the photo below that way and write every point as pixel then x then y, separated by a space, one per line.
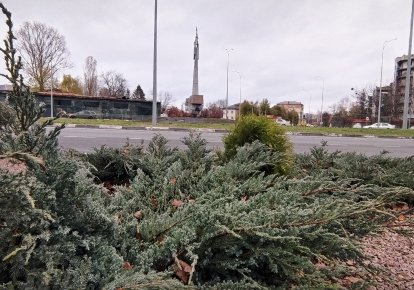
pixel 226 126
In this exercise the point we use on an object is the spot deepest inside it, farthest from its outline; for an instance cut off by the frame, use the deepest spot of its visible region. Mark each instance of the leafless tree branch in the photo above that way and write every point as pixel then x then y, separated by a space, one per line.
pixel 90 76
pixel 43 51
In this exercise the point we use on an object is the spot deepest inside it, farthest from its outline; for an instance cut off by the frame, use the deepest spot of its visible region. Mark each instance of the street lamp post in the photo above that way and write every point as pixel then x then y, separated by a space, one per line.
pixel 408 74
pixel 240 78
pixel 380 91
pixel 323 89
pixel 51 96
pixel 227 87
pixel 154 84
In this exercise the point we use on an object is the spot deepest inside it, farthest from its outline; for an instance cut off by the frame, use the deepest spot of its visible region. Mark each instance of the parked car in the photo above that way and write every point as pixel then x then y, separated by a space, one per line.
pixel 357 126
pixel 84 114
pixel 380 126
pixel 282 122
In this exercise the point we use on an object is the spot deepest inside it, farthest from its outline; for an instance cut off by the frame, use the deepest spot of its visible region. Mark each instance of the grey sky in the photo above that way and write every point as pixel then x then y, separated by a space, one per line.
pixel 282 48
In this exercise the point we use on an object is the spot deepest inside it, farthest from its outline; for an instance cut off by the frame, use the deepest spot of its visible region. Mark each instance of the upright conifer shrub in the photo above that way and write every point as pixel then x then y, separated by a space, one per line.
pixel 22 136
pixel 252 128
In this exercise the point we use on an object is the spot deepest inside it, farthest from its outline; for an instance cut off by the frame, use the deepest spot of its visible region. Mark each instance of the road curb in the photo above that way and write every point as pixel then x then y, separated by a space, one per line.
pixel 84 126
pixel 157 128
pixel 110 127
pixel 179 129
pixel 133 128
pixel 204 130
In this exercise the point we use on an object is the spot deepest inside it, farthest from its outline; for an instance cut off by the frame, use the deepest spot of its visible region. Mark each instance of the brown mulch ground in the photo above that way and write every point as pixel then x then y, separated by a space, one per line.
pixel 393 254
pixel 13 166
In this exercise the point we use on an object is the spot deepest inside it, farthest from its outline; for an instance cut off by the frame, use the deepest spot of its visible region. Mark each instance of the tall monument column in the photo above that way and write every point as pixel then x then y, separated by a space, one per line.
pixel 195 72
pixel 194 103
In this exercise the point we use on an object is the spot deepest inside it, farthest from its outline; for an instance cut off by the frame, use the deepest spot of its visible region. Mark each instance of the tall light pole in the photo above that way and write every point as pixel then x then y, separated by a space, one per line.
pixel 408 74
pixel 51 95
pixel 227 87
pixel 380 92
pixel 240 79
pixel 154 82
pixel 323 89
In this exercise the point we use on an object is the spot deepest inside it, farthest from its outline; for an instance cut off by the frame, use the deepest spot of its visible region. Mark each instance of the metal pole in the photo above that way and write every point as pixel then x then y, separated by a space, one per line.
pixel 380 92
pixel 408 74
pixel 240 78
pixel 227 87
pixel 323 88
pixel 154 84
pixel 240 92
pixel 51 95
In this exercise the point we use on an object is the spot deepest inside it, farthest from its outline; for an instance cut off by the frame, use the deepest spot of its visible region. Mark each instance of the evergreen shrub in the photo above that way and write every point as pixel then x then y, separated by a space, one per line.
pixel 114 165
pixel 252 128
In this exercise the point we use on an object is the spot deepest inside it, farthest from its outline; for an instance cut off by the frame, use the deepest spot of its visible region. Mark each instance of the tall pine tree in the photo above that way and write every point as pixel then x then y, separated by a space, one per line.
pixel 138 93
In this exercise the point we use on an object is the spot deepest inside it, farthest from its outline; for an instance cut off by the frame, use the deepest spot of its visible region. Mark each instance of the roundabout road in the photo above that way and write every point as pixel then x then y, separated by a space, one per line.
pixel 85 139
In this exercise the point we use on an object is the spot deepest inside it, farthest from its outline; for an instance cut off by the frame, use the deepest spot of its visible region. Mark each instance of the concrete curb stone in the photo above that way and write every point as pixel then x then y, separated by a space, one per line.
pixel 109 127
pixel 132 128
pixel 157 128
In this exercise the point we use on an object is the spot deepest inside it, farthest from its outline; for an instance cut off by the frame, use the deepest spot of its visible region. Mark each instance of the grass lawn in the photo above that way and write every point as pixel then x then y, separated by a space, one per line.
pixel 128 123
pixel 352 131
pixel 226 126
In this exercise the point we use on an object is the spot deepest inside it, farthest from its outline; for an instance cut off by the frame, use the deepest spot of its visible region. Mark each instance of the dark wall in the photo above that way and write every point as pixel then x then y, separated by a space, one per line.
pixel 104 108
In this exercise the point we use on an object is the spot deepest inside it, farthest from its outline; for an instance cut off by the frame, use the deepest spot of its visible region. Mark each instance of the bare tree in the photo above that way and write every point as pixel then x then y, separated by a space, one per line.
pixel 219 103
pixel 114 85
pixel 166 99
pixel 90 77
pixel 43 51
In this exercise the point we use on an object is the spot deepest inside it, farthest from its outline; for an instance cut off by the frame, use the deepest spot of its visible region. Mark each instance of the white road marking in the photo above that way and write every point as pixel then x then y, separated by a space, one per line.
pixel 84 137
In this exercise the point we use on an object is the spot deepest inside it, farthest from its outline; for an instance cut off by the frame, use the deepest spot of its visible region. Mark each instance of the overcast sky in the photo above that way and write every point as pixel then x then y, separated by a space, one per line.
pixel 282 48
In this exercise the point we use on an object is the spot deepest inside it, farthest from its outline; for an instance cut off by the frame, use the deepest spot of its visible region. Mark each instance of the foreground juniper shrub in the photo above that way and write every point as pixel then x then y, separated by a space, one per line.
pixel 252 128
pixel 114 165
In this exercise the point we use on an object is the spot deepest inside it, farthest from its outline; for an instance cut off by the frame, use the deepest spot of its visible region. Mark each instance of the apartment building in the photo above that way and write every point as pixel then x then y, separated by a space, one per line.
pixel 400 78
pixel 293 106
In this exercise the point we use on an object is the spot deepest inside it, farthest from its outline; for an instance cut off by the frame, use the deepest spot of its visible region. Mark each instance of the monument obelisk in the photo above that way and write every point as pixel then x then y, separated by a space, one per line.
pixel 196 58
pixel 195 102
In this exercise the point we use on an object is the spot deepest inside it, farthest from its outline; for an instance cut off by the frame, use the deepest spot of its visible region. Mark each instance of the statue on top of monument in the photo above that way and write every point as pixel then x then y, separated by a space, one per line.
pixel 196 47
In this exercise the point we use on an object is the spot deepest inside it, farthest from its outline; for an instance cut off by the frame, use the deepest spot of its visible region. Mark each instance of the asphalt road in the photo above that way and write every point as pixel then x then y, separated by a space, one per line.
pixel 85 139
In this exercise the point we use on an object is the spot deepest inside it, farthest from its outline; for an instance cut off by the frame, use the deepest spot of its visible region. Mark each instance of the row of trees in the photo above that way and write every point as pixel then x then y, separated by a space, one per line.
pixel 264 108
pixel 44 53
pixel 212 111
pixel 364 106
